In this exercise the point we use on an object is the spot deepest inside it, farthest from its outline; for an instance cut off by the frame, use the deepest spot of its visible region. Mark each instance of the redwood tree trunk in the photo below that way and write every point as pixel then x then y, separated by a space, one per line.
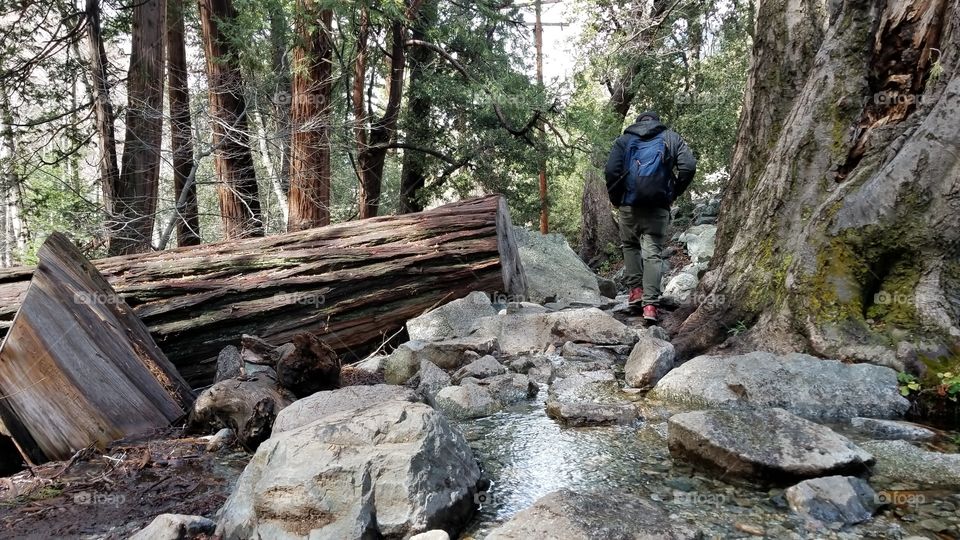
pixel 181 140
pixel 309 199
pixel 839 230
pixel 237 189
pixel 136 197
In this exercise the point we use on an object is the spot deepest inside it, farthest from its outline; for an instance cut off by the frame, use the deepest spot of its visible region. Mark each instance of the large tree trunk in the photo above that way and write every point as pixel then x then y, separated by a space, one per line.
pixel 311 112
pixel 237 189
pixel 372 147
pixel 104 115
pixel 839 230
pixel 419 129
pixel 353 284
pixel 14 231
pixel 181 136
pixel 136 197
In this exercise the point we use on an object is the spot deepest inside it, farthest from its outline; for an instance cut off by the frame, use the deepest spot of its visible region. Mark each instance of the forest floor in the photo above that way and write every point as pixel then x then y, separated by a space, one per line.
pixel 117 491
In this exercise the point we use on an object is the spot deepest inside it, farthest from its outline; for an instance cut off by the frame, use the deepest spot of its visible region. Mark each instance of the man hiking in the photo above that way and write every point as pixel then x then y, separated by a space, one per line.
pixel 649 167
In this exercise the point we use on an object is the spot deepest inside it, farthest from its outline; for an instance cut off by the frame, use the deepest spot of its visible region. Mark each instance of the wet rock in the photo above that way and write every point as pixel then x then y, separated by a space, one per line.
pixel 700 240
pixel 175 527
pixel 900 461
pixel 768 445
pixel 833 499
pixel 650 360
pixel 568 515
pixel 450 320
pixel 510 388
pixel 589 398
pixel 810 387
pixel 554 271
pixel 481 368
pixel 892 429
pixel 404 362
pixel 467 401
pixel 393 470
pixel 229 364
pixel 432 380
pixel 519 334
pixel 352 398
pixel 580 351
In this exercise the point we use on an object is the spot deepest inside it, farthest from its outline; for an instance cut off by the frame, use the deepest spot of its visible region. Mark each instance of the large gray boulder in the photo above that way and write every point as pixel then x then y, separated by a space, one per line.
pixel 810 387
pixel 451 320
pixel 467 401
pixel 175 527
pixel 568 515
pixel 768 445
pixel 404 362
pixel 533 333
pixel 700 241
pixel 847 500
pixel 589 398
pixel 314 407
pixel 902 462
pixel 554 270
pixel 510 388
pixel 431 380
pixel 394 470
pixel 679 288
pixel 480 368
pixel 650 360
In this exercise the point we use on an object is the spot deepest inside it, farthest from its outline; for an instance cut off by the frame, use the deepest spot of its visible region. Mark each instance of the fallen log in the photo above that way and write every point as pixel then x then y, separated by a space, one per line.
pixel 77 367
pixel 353 284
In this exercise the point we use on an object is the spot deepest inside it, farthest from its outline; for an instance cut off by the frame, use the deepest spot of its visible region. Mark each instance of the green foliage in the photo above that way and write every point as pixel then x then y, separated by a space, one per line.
pixel 737 329
pixel 908 383
pixel 949 385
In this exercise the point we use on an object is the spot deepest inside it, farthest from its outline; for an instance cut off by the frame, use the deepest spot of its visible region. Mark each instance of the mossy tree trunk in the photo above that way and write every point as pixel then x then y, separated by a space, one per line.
pixel 839 230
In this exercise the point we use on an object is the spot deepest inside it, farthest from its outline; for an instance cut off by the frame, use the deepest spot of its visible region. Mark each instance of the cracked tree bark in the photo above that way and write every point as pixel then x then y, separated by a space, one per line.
pixel 840 229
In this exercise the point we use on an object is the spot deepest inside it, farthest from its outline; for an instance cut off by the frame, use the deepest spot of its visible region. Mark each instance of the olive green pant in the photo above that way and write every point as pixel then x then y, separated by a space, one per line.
pixel 643 232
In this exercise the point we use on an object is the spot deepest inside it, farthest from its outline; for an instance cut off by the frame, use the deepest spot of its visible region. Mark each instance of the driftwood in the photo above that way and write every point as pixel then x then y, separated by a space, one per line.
pixel 309 367
pixel 77 367
pixel 351 284
pixel 248 405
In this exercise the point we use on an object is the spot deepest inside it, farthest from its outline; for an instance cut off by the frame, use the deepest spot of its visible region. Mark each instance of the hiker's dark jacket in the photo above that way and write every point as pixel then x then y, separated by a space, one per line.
pixel 679 157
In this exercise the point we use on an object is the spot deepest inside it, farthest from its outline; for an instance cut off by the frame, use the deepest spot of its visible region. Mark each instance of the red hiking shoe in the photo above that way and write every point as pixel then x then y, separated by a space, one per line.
pixel 636 295
pixel 650 313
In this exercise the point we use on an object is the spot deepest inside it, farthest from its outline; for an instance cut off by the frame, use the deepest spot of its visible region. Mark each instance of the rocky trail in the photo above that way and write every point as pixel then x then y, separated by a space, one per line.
pixel 555 415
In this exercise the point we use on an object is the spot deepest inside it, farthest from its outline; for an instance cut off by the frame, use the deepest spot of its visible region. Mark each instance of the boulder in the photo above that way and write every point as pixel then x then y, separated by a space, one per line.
pixel 404 362
pixel 450 320
pixel 310 409
pixel 580 351
pixel 589 398
pixel 833 499
pixel 432 380
pixel 902 462
pixel 608 287
pixel 679 289
pixel 892 429
pixel 481 368
pixel 175 527
pixel 518 334
pixel 810 387
pixel 568 515
pixel 650 360
pixel 700 241
pixel 436 534
pixel 467 401
pixel 768 445
pixel 393 470
pixel 554 271
pixel 510 388
pixel 523 308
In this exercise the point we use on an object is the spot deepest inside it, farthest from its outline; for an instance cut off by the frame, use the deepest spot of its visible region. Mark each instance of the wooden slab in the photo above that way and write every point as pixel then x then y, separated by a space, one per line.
pixel 78 367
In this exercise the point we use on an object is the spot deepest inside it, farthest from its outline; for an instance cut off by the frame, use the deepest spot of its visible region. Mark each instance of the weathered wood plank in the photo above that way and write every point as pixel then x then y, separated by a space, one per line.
pixel 78 367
